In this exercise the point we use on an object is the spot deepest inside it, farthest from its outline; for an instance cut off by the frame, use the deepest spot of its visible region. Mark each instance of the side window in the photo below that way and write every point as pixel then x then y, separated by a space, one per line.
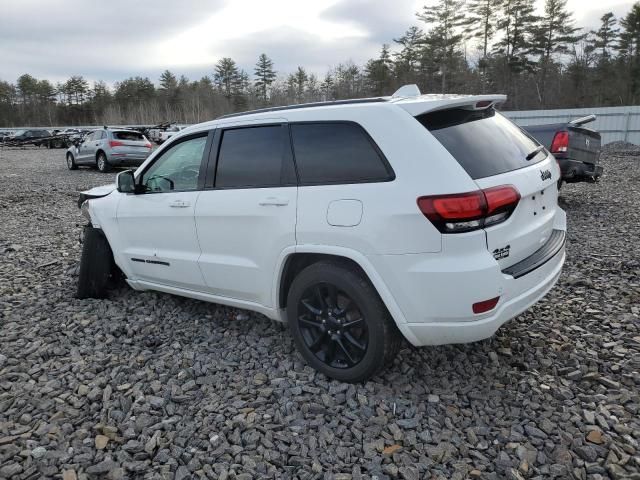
pixel 178 168
pixel 255 157
pixel 336 152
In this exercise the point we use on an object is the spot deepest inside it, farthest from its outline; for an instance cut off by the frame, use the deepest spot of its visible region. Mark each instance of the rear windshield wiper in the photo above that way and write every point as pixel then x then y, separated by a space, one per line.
pixel 535 152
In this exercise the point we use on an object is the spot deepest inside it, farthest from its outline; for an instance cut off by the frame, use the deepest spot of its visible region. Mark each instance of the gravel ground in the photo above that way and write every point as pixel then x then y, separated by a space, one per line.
pixel 147 385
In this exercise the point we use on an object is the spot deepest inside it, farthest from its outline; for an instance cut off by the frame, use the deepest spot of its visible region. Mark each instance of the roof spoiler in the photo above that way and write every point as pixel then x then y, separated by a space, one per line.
pixel 583 120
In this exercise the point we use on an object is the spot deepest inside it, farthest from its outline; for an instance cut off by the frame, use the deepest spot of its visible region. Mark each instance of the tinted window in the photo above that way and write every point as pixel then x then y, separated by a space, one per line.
pixel 135 136
pixel 336 153
pixel 254 157
pixel 483 142
pixel 177 168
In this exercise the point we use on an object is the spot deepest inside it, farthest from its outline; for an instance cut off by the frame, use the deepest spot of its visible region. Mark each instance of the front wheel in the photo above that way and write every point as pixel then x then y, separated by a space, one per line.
pixel 339 323
pixel 102 164
pixel 96 265
pixel 71 162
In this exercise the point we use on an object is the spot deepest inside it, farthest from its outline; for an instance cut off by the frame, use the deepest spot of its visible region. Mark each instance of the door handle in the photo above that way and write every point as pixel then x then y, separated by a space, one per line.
pixel 273 201
pixel 179 204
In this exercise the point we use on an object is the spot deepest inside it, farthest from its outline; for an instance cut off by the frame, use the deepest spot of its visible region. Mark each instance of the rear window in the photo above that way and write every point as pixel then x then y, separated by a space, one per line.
pixel 128 136
pixel 336 153
pixel 482 141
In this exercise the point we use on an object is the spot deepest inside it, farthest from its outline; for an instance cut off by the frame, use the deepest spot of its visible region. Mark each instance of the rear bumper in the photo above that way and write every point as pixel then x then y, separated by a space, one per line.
pixel 435 292
pixel 574 170
pixel 126 159
pixel 520 294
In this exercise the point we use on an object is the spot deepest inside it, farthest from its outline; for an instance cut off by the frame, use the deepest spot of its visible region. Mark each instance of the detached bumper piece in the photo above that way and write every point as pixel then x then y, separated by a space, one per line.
pixel 540 257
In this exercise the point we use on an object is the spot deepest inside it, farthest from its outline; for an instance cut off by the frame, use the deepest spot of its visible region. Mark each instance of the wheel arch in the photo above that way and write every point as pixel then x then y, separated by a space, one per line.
pixel 293 262
pixel 99 151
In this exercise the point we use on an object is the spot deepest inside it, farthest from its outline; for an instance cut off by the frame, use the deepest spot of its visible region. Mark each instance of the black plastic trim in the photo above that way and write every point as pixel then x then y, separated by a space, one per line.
pixel 154 262
pixel 540 257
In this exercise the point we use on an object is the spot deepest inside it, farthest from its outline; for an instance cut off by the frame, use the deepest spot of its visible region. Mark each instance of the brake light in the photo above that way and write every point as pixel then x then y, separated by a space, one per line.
pixel 463 212
pixel 483 104
pixel 560 142
pixel 148 145
pixel 115 143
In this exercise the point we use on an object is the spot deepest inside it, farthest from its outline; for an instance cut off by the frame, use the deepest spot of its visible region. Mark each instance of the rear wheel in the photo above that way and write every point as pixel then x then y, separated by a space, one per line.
pixel 96 265
pixel 71 162
pixel 102 164
pixel 339 323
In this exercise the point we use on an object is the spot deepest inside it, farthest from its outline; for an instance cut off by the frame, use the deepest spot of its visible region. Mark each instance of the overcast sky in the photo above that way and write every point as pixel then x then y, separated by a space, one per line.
pixel 114 39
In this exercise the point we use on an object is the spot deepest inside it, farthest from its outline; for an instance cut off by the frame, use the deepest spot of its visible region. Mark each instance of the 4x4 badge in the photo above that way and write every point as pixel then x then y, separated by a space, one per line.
pixel 545 175
pixel 503 252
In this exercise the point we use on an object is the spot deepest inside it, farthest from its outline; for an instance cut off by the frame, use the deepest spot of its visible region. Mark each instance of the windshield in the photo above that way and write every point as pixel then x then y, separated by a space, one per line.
pixel 483 142
pixel 19 132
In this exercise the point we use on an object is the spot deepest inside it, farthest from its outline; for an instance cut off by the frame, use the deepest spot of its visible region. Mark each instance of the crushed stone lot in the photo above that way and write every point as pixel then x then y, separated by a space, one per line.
pixel 148 385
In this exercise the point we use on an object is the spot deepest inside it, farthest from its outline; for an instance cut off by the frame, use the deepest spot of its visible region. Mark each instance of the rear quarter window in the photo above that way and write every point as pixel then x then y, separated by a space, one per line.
pixel 337 152
pixel 483 142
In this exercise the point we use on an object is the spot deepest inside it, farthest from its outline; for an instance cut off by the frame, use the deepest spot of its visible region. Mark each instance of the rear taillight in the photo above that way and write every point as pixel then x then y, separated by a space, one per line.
pixel 148 145
pixel 115 143
pixel 560 142
pixel 463 212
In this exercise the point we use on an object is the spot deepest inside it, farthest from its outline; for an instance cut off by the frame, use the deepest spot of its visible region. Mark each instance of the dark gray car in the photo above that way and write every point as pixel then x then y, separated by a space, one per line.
pixel 107 148
pixel 576 147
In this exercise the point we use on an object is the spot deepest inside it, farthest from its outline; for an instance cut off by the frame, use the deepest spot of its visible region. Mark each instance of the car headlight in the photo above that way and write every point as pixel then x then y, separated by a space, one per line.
pixel 84 209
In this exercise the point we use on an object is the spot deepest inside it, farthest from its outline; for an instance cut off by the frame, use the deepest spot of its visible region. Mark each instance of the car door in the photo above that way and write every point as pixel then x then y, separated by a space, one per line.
pixel 83 149
pixel 157 226
pixel 246 217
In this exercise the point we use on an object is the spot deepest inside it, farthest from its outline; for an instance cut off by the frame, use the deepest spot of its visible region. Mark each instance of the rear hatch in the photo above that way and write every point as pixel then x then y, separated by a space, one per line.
pixel 495 153
pixel 130 143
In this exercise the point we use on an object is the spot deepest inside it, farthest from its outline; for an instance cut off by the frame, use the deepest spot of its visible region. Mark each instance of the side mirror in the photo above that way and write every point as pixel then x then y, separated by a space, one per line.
pixel 126 182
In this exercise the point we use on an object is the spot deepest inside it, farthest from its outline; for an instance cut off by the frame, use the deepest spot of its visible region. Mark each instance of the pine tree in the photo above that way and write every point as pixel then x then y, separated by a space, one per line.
pixel 297 82
pixel 326 87
pixel 226 76
pixel 481 22
pixel 447 21
pixel 265 76
pixel 629 48
pixel 552 36
pixel 606 36
pixel 379 73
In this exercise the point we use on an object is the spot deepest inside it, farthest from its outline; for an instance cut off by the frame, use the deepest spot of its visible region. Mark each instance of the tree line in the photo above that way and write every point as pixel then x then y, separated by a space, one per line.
pixel 460 46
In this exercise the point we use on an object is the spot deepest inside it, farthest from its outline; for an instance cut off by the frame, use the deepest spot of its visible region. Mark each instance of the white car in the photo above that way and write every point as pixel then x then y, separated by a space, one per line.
pixel 359 223
pixel 164 135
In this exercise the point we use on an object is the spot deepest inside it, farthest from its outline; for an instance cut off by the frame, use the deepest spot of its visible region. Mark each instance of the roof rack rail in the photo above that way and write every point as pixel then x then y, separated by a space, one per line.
pixel 306 105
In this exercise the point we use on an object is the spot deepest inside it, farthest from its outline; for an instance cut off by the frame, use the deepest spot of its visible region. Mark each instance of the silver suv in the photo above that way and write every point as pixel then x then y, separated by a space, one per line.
pixel 106 148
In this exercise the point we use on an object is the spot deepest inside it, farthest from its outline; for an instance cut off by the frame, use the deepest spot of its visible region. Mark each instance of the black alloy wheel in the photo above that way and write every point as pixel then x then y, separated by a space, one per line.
pixel 332 326
pixel 339 324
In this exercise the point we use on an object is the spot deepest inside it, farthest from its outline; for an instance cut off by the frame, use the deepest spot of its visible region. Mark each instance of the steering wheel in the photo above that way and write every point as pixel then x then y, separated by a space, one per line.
pixel 172 184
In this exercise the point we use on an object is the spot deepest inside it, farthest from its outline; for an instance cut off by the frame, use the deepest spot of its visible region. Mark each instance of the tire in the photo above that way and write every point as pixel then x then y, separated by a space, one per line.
pixel 335 354
pixel 96 265
pixel 71 162
pixel 101 163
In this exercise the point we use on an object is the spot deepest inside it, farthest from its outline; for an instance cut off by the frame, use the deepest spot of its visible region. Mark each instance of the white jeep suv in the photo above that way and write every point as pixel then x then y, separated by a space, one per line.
pixel 358 223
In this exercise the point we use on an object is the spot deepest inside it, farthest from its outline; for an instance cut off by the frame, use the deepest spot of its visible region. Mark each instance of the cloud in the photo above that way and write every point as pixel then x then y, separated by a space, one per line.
pixel 115 39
